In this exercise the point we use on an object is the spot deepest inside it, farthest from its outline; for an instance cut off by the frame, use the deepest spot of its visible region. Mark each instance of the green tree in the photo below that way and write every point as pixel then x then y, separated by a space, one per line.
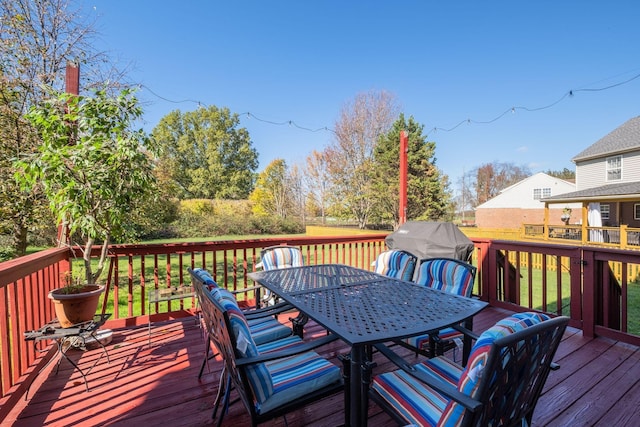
pixel 91 166
pixel 428 196
pixel 205 154
pixel 566 174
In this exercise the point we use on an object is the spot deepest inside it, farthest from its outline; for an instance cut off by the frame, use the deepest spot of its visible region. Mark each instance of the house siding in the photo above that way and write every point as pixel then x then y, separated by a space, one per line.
pixel 593 173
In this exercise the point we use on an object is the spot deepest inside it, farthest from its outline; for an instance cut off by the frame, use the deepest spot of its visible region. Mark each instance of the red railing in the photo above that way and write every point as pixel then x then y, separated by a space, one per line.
pixel 593 286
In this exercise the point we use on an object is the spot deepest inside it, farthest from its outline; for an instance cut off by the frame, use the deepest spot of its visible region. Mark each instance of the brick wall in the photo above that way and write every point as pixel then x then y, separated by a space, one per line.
pixel 515 217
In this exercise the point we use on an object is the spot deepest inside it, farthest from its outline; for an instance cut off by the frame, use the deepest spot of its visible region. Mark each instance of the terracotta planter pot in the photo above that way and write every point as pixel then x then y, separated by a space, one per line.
pixel 78 307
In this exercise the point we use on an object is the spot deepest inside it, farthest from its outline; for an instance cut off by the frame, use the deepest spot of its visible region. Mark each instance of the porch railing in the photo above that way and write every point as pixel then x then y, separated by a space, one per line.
pixel 598 288
pixel 623 237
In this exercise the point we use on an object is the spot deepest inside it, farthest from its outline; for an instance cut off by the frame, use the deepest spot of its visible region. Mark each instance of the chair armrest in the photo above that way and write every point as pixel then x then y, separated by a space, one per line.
pixel 466 331
pixel 242 361
pixel 439 385
pixel 268 311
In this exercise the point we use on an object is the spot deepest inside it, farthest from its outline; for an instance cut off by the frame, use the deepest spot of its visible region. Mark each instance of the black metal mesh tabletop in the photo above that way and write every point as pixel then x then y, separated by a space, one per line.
pixel 363 307
pixel 291 281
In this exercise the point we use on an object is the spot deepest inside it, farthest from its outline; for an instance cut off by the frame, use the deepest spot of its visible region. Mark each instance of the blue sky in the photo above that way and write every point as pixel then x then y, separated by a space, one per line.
pixel 445 61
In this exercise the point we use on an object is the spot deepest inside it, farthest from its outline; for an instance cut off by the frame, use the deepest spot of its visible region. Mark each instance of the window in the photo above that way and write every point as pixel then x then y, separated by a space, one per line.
pixel 636 211
pixel 604 211
pixel 614 168
pixel 540 193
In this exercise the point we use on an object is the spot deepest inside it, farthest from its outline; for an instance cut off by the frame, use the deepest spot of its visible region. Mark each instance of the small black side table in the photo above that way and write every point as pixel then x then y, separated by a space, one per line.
pixel 65 338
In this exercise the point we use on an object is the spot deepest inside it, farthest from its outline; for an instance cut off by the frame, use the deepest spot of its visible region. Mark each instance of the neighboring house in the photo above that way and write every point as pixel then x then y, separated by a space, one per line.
pixel 521 203
pixel 608 175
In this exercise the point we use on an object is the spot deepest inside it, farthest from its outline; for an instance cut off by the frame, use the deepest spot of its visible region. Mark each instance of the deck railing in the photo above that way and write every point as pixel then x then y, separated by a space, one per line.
pixel 596 287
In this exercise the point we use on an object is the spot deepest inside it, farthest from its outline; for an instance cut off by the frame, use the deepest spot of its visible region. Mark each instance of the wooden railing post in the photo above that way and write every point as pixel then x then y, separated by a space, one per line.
pixel 589 272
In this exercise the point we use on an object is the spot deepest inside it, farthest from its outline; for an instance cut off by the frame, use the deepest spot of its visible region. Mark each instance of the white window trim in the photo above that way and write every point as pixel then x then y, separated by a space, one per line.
pixel 603 211
pixel 635 211
pixel 619 156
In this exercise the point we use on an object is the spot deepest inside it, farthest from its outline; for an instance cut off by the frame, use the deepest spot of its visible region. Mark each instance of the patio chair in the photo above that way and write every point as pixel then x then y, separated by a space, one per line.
pixel 268 384
pixel 396 263
pixel 448 275
pixel 282 256
pixel 507 369
pixel 263 325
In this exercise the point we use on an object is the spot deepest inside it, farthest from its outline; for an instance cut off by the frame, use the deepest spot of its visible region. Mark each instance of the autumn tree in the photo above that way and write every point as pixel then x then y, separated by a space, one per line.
pixel 487 180
pixel 428 196
pixel 350 159
pixel 205 154
pixel 297 192
pixel 317 180
pixel 271 195
pixel 37 40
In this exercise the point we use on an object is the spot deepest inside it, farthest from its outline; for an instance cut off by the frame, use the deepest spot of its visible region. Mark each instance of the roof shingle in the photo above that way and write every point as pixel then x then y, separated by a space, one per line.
pixel 623 138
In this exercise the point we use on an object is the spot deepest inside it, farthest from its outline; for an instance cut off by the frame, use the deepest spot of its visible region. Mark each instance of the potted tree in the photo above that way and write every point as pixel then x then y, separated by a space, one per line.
pixel 93 167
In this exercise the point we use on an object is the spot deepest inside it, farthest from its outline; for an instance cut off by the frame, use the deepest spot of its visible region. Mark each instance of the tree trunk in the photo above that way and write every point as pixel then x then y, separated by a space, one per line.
pixel 20 239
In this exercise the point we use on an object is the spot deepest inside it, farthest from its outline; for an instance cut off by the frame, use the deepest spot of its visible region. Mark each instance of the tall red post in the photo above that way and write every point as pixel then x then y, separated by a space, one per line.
pixel 72 86
pixel 404 147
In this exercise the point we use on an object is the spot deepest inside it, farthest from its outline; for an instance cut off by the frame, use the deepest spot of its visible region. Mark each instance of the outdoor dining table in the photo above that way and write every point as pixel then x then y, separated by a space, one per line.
pixel 364 308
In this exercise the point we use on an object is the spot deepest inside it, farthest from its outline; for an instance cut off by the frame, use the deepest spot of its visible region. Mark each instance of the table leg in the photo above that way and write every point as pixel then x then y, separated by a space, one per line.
pixel 63 353
pixel 356 400
pixel 467 342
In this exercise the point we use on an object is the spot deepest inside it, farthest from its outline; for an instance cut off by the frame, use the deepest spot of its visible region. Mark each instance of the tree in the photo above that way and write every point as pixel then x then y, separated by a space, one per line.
pixel 91 166
pixel 428 197
pixel 205 154
pixel 487 180
pixel 350 158
pixel 37 39
pixel 271 195
pixel 566 174
pixel 317 181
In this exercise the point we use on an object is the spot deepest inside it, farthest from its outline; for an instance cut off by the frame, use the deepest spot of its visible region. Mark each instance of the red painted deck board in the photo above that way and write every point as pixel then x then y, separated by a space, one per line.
pixel 598 384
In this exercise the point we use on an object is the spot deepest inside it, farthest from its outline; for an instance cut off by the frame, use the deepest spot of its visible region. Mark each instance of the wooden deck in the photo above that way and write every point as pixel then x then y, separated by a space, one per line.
pixel 598 384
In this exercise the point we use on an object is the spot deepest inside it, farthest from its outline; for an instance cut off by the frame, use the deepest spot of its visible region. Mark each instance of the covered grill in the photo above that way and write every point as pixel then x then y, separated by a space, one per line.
pixel 431 240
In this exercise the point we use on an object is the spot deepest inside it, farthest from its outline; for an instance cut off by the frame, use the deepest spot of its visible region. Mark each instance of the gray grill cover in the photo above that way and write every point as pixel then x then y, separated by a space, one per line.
pixel 431 240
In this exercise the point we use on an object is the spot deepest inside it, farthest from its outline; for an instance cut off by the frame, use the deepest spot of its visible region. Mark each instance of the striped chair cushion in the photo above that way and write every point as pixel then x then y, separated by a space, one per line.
pixel 420 404
pixel 422 341
pixel 291 341
pixel 281 257
pixel 258 374
pixel 296 376
pixel 446 275
pixel 267 329
pixel 396 264
pixel 263 329
pixel 206 278
pixel 470 377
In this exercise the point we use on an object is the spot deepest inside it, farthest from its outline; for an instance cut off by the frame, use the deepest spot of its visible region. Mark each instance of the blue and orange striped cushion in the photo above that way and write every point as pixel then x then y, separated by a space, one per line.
pixel 257 374
pixel 277 382
pixel 446 275
pixel 206 278
pixel 396 264
pixel 281 257
pixel 424 406
pixel 262 329
pixel 296 376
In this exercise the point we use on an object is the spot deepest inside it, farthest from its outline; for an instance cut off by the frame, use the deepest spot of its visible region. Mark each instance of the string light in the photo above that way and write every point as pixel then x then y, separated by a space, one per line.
pixel 469 121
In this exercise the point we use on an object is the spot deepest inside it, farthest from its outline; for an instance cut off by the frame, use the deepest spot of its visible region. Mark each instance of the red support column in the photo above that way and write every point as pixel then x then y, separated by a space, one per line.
pixel 404 144
pixel 72 86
